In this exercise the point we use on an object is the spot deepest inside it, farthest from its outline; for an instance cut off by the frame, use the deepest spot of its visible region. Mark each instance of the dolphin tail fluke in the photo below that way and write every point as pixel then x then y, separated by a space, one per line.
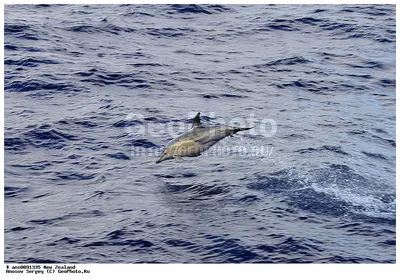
pixel 237 129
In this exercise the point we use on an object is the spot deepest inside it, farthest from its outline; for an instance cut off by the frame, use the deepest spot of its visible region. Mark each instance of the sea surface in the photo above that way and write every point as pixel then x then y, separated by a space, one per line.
pixel 93 93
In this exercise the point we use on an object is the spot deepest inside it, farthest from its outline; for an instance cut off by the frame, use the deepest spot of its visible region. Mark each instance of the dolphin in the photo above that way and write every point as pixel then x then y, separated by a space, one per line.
pixel 195 141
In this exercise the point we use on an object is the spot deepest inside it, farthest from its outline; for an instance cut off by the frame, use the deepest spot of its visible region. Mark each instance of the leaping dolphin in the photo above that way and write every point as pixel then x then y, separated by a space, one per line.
pixel 195 141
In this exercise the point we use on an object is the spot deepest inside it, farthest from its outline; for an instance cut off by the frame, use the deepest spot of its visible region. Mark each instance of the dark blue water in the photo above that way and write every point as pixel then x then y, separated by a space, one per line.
pixel 76 192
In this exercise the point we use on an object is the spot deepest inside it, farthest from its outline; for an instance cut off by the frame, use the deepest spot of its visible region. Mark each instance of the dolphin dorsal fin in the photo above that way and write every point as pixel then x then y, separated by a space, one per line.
pixel 196 120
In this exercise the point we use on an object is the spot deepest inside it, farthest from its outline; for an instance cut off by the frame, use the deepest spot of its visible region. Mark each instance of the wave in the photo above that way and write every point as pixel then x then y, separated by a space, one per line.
pixel 39 87
pixel 197 9
pixel 22 31
pixel 102 27
pixel 334 149
pixel 136 80
pixel 41 137
pixel 10 191
pixel 335 191
pixel 283 62
pixel 29 62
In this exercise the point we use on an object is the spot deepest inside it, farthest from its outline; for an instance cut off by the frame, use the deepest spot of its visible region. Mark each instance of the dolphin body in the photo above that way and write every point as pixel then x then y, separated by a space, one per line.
pixel 195 141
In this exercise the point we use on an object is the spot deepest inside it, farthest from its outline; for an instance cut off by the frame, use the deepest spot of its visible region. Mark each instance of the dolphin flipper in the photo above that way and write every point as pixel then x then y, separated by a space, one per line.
pixel 178 159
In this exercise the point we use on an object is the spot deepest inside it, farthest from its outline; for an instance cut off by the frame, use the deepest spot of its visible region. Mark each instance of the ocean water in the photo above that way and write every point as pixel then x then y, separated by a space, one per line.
pixel 82 83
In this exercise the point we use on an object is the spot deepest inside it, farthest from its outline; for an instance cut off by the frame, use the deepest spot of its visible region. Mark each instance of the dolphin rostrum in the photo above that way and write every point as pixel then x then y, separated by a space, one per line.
pixel 195 141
